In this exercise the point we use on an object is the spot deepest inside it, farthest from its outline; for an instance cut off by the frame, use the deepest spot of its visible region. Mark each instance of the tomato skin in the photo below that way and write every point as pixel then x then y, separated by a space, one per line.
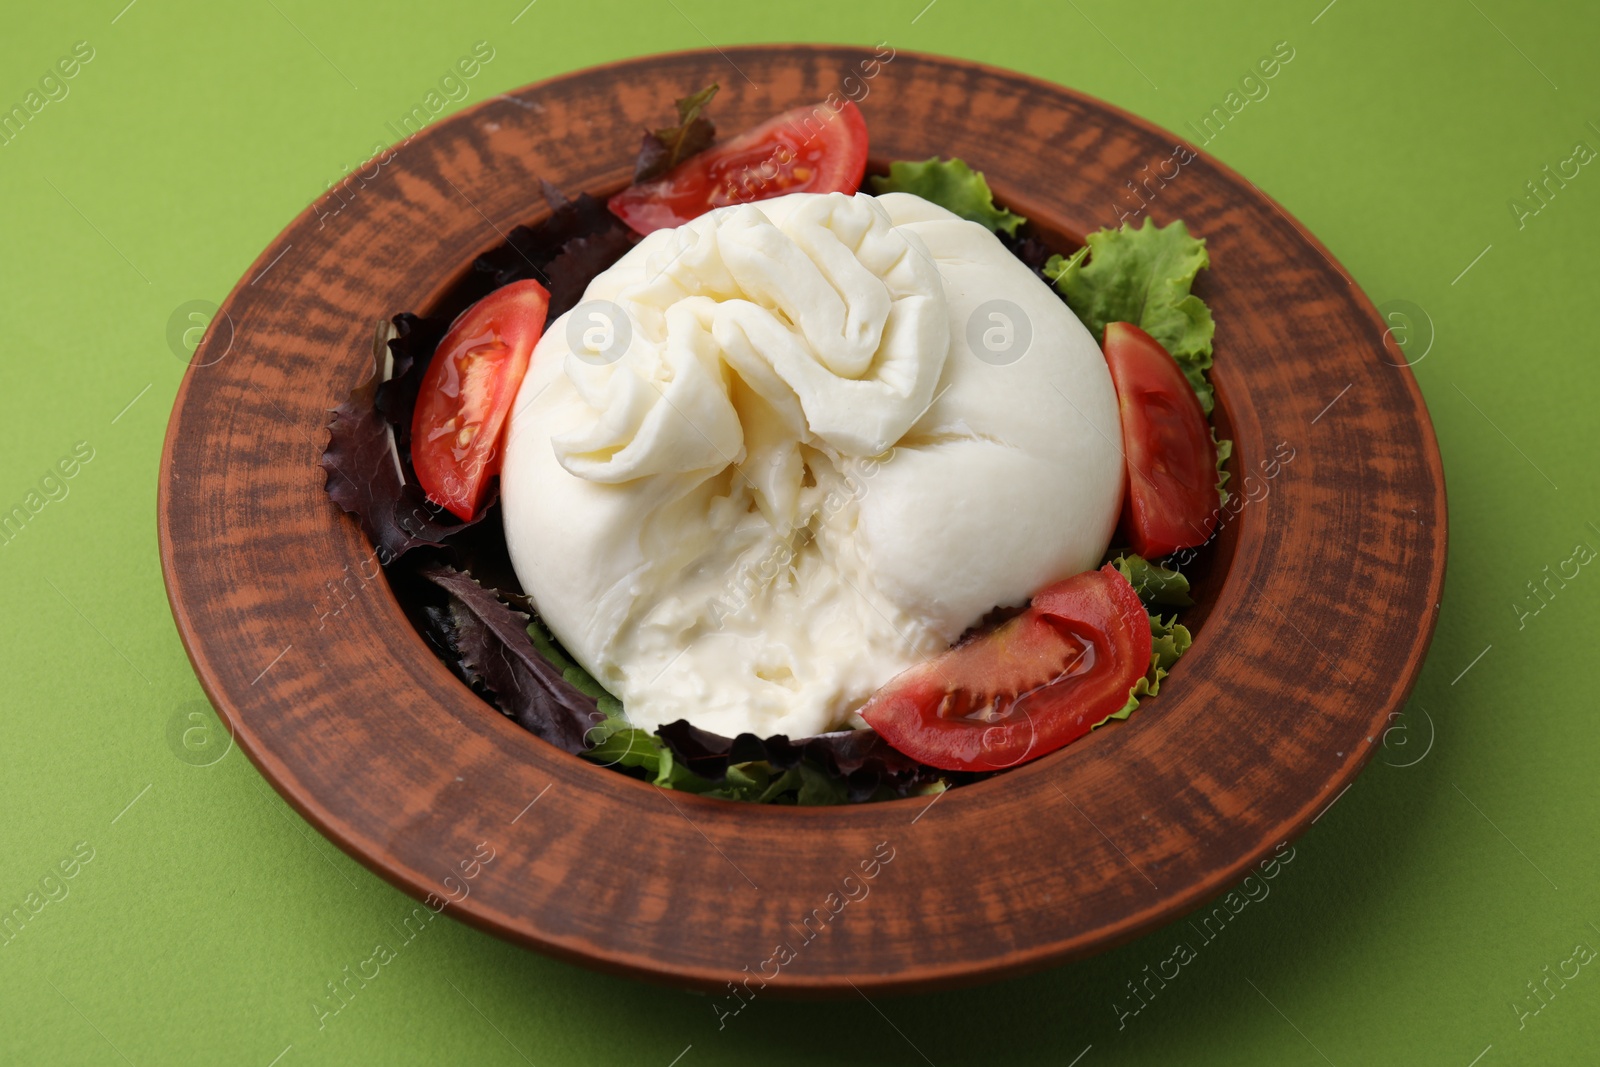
pixel 1041 680
pixel 467 394
pixel 1171 500
pixel 804 150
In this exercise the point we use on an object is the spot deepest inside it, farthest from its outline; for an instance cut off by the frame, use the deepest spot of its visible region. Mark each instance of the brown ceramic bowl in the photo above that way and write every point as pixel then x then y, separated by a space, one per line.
pixel 1318 602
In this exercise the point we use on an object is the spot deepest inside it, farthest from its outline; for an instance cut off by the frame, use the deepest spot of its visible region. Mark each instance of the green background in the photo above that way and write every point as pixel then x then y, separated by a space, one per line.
pixel 1459 865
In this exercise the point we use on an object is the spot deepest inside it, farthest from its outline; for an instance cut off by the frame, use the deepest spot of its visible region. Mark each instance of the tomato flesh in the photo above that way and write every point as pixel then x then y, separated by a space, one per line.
pixel 805 150
pixel 1024 689
pixel 468 392
pixel 1172 500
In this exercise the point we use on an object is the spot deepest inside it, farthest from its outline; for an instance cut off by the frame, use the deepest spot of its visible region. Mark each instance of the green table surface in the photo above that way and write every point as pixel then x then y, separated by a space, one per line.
pixel 1416 916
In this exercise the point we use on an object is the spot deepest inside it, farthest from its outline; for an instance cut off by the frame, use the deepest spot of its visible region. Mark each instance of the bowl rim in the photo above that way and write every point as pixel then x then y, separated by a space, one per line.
pixel 476 912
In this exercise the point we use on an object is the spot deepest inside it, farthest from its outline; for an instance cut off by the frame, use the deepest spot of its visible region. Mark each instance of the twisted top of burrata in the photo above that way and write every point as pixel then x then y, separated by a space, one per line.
pixel 774 457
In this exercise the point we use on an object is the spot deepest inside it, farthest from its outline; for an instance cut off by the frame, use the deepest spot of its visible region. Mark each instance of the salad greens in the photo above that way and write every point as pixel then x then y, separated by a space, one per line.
pixel 1224 451
pixel 1169 640
pixel 1143 276
pixel 952 185
pixel 1156 586
pixel 368 458
pixel 494 651
pixel 367 463
pixel 665 148
pixel 563 253
pixel 830 769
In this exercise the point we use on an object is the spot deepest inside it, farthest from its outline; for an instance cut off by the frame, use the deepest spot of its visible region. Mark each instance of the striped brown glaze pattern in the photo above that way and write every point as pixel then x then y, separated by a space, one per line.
pixel 1317 616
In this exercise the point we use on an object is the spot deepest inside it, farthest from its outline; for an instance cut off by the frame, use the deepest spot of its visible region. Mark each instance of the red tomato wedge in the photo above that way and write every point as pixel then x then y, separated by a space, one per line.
pixel 806 150
pixel 1025 688
pixel 1172 499
pixel 467 394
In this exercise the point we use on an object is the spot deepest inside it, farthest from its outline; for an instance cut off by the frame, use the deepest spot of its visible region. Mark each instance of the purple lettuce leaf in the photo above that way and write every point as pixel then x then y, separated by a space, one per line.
pixel 862 759
pixel 663 149
pixel 492 649
pixel 368 466
pixel 564 252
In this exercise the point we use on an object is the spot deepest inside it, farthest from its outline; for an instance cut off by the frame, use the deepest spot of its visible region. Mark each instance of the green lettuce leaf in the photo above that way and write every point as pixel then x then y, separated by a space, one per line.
pixel 615 741
pixel 1155 584
pixel 1169 639
pixel 1143 276
pixel 819 788
pixel 952 185
pixel 618 743
pixel 576 676
pixel 1224 450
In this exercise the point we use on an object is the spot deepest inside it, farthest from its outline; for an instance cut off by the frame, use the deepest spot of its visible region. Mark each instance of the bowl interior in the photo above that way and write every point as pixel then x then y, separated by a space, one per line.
pixel 462 286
